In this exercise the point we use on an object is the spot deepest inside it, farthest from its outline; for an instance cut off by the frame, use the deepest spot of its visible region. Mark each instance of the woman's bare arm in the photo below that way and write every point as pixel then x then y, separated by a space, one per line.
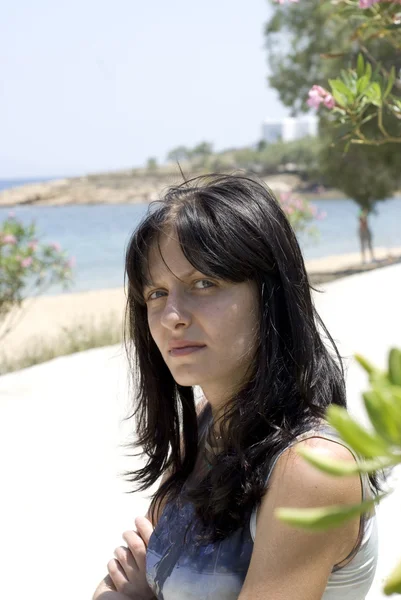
pixel 106 590
pixel 289 562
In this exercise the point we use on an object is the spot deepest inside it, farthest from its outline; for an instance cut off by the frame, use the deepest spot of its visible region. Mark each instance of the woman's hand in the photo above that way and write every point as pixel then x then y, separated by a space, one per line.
pixel 128 570
pixel 106 591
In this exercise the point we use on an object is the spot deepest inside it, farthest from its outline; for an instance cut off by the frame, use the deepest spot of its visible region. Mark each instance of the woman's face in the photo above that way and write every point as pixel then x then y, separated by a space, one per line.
pixel 214 322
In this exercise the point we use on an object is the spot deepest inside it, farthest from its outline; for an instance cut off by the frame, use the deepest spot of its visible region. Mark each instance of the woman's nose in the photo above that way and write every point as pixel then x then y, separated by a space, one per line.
pixel 176 313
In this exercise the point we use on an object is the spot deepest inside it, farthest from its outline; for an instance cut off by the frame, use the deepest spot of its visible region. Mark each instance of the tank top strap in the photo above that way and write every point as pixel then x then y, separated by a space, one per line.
pixel 326 431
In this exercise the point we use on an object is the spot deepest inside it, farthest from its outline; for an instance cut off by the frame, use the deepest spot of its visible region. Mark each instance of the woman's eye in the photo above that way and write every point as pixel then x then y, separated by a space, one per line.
pixel 203 284
pixel 153 295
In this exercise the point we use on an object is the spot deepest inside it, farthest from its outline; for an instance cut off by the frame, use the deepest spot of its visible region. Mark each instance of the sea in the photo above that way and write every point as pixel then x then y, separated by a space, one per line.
pixel 97 235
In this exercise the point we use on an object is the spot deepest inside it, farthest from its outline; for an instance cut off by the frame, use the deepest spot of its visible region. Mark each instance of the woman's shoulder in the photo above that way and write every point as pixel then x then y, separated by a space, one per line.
pixel 294 483
pixel 282 552
pixel 325 442
pixel 292 468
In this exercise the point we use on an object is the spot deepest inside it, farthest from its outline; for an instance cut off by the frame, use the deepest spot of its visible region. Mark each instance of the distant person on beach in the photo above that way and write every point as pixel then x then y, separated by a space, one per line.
pixel 232 374
pixel 365 235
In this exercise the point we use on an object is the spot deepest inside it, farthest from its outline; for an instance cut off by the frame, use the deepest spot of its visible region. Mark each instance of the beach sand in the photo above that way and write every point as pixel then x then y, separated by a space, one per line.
pixel 48 317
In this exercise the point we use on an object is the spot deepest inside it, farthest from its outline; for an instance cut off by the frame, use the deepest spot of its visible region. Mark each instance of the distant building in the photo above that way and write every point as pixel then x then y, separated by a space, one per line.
pixel 272 131
pixel 290 129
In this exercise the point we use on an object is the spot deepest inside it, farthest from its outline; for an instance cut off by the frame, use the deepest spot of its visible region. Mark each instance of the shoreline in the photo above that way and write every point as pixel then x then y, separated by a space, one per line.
pixel 129 188
pixel 46 318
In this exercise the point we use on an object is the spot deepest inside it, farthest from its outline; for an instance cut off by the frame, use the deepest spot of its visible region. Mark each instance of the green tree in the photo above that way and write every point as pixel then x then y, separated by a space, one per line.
pixel 178 154
pixel 202 150
pixel 297 37
pixel 27 268
pixel 316 45
pixel 365 174
pixel 301 154
pixel 201 154
pixel 319 44
pixel 151 165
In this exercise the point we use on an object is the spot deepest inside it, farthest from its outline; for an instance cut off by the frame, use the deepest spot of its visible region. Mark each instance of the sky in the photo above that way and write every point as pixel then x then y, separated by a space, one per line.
pixel 94 85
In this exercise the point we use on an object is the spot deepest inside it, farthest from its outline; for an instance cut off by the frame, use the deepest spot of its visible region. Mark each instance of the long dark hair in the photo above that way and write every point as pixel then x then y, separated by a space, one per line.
pixel 230 227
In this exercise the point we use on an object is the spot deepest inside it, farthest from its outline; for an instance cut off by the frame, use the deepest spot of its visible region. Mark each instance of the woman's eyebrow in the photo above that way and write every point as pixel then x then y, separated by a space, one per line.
pixel 183 276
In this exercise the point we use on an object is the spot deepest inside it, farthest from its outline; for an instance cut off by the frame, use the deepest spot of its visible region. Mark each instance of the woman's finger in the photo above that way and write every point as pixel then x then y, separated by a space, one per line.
pixel 137 547
pixel 127 562
pixel 145 528
pixel 118 577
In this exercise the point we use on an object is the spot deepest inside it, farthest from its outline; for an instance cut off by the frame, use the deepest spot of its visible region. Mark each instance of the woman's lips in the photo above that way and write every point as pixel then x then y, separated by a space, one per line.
pixel 185 351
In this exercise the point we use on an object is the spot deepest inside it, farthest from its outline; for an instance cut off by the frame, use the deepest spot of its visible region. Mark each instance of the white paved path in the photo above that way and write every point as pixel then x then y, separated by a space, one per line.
pixel 63 505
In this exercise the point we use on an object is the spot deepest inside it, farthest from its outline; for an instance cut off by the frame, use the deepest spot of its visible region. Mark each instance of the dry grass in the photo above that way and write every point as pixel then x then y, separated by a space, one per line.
pixel 80 337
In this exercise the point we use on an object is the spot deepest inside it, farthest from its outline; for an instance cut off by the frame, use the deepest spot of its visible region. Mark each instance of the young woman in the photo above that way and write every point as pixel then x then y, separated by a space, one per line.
pixel 218 297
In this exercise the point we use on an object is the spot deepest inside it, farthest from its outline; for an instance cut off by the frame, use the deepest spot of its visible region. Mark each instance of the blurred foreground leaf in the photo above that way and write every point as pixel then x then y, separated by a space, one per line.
pixel 393 583
pixel 365 364
pixel 341 468
pixel 369 445
pixel 320 519
pixel 384 413
pixel 394 366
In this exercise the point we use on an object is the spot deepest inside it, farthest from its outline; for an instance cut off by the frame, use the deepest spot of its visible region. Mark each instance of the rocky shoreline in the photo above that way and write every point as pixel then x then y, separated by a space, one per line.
pixel 125 187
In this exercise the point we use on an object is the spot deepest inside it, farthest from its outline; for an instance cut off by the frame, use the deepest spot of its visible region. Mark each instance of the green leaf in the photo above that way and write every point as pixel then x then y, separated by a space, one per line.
pixel 380 379
pixel 349 78
pixel 362 84
pixel 360 66
pixel 365 364
pixel 320 519
pixel 393 582
pixel 368 70
pixel 390 83
pixel 368 445
pixel 344 468
pixel 373 94
pixel 384 414
pixel 393 26
pixel 395 391
pixel 394 366
pixel 340 87
pixel 339 98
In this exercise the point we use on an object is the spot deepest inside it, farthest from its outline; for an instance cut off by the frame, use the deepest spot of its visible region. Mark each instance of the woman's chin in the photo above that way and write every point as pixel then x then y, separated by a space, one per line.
pixel 187 381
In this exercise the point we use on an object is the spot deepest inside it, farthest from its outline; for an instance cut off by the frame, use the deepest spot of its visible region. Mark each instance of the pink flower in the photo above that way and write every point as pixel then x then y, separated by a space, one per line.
pixel 329 101
pixel 367 3
pixel 33 245
pixel 9 239
pixel 319 90
pixel 26 262
pixel 285 197
pixel 71 262
pixel 315 99
pixel 318 95
pixel 56 246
